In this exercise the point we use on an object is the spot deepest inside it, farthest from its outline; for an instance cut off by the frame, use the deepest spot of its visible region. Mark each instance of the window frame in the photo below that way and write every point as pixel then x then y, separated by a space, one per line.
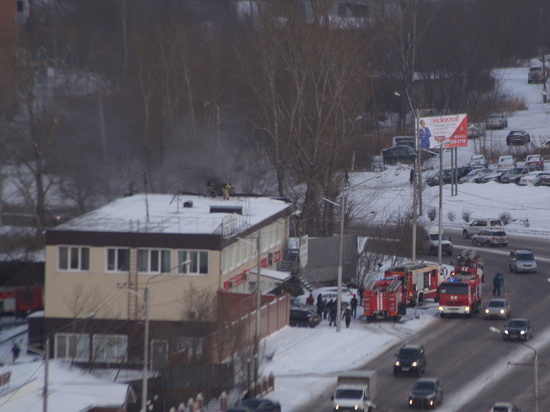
pixel 198 265
pixel 103 344
pixel 82 353
pixel 69 253
pixel 116 264
pixel 162 260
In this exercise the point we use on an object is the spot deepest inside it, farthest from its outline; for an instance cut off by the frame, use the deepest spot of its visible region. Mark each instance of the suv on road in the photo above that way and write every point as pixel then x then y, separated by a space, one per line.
pixel 481 224
pixel 410 359
pixel 536 75
pixel 426 392
pixel 522 260
pixel 517 137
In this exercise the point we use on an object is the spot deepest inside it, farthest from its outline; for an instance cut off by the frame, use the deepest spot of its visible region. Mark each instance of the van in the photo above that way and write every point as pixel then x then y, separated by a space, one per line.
pixel 536 75
pixel 431 242
pixel 481 224
pixel 404 141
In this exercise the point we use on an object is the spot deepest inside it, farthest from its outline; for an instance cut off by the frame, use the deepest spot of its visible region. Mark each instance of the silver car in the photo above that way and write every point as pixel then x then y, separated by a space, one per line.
pixel 491 238
pixel 497 309
pixel 522 260
pixel 497 121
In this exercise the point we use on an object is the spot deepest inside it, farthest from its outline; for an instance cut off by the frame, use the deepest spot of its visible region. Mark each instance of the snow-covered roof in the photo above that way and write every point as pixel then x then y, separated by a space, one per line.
pixel 160 213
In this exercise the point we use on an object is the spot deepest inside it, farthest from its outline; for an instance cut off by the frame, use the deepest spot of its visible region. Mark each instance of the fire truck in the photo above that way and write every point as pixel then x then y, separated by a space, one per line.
pixel 469 262
pixel 419 281
pixel 20 300
pixel 383 299
pixel 460 295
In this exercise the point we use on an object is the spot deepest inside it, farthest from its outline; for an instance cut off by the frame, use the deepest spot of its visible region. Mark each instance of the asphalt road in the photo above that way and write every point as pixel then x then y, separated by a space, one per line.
pixel 471 361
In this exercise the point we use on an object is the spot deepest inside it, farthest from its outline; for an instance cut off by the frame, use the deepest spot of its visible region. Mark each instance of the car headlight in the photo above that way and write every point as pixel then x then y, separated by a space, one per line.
pixel 440 308
pixel 467 309
pixel 522 332
pixel 502 311
pixel 506 331
pixel 487 311
pixel 414 364
pixel 397 363
pixel 336 407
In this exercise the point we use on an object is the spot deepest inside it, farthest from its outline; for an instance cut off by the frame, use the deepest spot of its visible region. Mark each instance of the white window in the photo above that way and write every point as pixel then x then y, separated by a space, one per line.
pixel 154 261
pixel 74 258
pixel 73 346
pixel 193 262
pixel 192 345
pixel 118 260
pixel 110 348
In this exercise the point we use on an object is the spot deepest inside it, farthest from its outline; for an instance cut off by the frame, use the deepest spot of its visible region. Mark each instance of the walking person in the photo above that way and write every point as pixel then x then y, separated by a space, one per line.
pixel 498 282
pixel 360 293
pixel 332 315
pixel 346 177
pixel 15 350
pixel 347 316
pixel 326 309
pixel 310 300
pixel 353 304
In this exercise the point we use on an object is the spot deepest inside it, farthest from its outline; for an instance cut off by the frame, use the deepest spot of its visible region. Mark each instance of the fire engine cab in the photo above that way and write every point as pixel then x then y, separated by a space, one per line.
pixel 383 299
pixel 419 281
pixel 460 295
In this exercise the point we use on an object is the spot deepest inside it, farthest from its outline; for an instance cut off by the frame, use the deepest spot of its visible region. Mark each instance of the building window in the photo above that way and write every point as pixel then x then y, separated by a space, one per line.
pixel 118 260
pixel 110 348
pixel 74 258
pixel 193 262
pixel 153 261
pixel 193 346
pixel 73 346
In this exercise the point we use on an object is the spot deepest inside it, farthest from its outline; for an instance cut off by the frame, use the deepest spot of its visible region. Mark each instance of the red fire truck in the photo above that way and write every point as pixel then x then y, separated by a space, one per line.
pixel 419 280
pixel 469 262
pixel 460 295
pixel 384 300
pixel 20 300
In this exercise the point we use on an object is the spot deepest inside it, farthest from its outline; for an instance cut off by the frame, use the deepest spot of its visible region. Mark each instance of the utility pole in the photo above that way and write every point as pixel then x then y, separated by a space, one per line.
pixel 258 308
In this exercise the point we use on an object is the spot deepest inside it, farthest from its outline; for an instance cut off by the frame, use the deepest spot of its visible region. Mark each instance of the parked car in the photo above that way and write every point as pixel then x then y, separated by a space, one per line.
pixel 404 141
pixel 331 292
pixel 399 154
pixel 433 180
pixel 496 121
pixel 504 407
pixel 475 175
pixel 544 180
pixel 481 224
pixel 492 177
pixel 497 308
pixel 261 405
pixel 303 317
pixel 378 164
pixel 506 163
pixel 535 160
pixel 536 75
pixel 513 175
pixel 426 392
pixel 532 178
pixel 476 130
pixel 491 238
pixel 517 137
pixel 520 329
pixel 522 260
pixel 478 161
pixel 410 359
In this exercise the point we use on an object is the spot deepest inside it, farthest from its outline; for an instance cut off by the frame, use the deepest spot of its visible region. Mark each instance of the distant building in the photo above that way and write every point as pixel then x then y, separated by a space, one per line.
pixel 98 265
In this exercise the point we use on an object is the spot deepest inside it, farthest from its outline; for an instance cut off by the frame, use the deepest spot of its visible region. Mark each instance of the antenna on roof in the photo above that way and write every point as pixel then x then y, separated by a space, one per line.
pixel 146 184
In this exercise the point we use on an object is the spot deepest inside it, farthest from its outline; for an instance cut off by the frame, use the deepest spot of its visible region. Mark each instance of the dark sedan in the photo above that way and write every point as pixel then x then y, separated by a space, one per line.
pixel 261 405
pixel 519 329
pixel 303 317
pixel 518 137
pixel 398 154
pixel 426 392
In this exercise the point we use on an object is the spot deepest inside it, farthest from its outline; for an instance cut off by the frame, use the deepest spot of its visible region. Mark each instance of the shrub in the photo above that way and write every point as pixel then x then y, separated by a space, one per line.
pixel 466 215
pixel 432 213
pixel 452 216
pixel 506 218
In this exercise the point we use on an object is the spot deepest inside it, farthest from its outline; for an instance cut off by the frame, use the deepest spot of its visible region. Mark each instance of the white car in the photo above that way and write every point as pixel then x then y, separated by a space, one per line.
pixel 531 178
pixel 506 163
pixel 331 292
pixel 478 161
pixel 481 224
pixel 475 176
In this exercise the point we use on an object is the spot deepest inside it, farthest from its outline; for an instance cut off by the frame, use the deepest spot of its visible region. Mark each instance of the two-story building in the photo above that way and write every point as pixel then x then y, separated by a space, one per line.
pixel 100 265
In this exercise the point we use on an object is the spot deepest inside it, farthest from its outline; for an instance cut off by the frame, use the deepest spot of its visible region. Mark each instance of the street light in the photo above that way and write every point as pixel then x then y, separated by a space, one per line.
pixel 535 364
pixel 340 262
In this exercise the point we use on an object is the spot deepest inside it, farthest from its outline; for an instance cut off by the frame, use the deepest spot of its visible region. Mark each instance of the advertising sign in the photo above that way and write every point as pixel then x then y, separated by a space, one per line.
pixel 443 131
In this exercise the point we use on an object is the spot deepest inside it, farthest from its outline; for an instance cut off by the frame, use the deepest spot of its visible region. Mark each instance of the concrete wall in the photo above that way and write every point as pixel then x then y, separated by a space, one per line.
pixel 323 259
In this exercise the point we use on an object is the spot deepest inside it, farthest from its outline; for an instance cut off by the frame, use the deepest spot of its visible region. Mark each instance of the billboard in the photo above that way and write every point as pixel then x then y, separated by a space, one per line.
pixel 443 131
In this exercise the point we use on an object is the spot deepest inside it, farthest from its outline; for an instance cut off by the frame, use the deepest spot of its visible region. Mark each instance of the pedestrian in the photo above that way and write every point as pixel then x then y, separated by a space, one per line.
pixel 211 188
pixel 325 309
pixel 498 282
pixel 411 176
pixel 319 298
pixel 360 293
pixel 353 304
pixel 15 350
pixel 332 315
pixel 346 178
pixel 310 300
pixel 320 308
pixel 226 190
pixel 347 316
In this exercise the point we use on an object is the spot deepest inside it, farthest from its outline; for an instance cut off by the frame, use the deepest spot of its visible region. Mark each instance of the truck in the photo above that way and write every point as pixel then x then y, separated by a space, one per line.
pixel 469 262
pixel 431 242
pixel 383 300
pixel 355 392
pixel 419 280
pixel 460 294
pixel 20 301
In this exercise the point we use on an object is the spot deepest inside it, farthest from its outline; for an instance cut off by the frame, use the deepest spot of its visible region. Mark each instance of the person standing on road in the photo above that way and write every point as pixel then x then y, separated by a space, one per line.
pixel 498 282
pixel 353 304
pixel 332 315
pixel 15 350
pixel 347 316
pixel 360 293
pixel 310 300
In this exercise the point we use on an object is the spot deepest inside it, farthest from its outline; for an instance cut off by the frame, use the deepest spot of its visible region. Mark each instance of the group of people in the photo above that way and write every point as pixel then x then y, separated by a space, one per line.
pixel 329 309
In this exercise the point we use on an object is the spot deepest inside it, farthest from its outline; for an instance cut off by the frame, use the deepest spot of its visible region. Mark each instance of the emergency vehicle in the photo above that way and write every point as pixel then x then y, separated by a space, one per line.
pixel 469 261
pixel 419 281
pixel 20 300
pixel 460 295
pixel 383 299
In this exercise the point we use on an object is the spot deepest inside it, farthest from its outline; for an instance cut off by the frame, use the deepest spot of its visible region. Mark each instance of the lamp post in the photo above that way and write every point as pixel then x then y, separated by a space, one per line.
pixel 340 262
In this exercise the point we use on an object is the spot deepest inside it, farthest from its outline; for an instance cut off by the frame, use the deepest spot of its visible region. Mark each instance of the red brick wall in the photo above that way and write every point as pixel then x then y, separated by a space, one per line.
pixel 8 37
